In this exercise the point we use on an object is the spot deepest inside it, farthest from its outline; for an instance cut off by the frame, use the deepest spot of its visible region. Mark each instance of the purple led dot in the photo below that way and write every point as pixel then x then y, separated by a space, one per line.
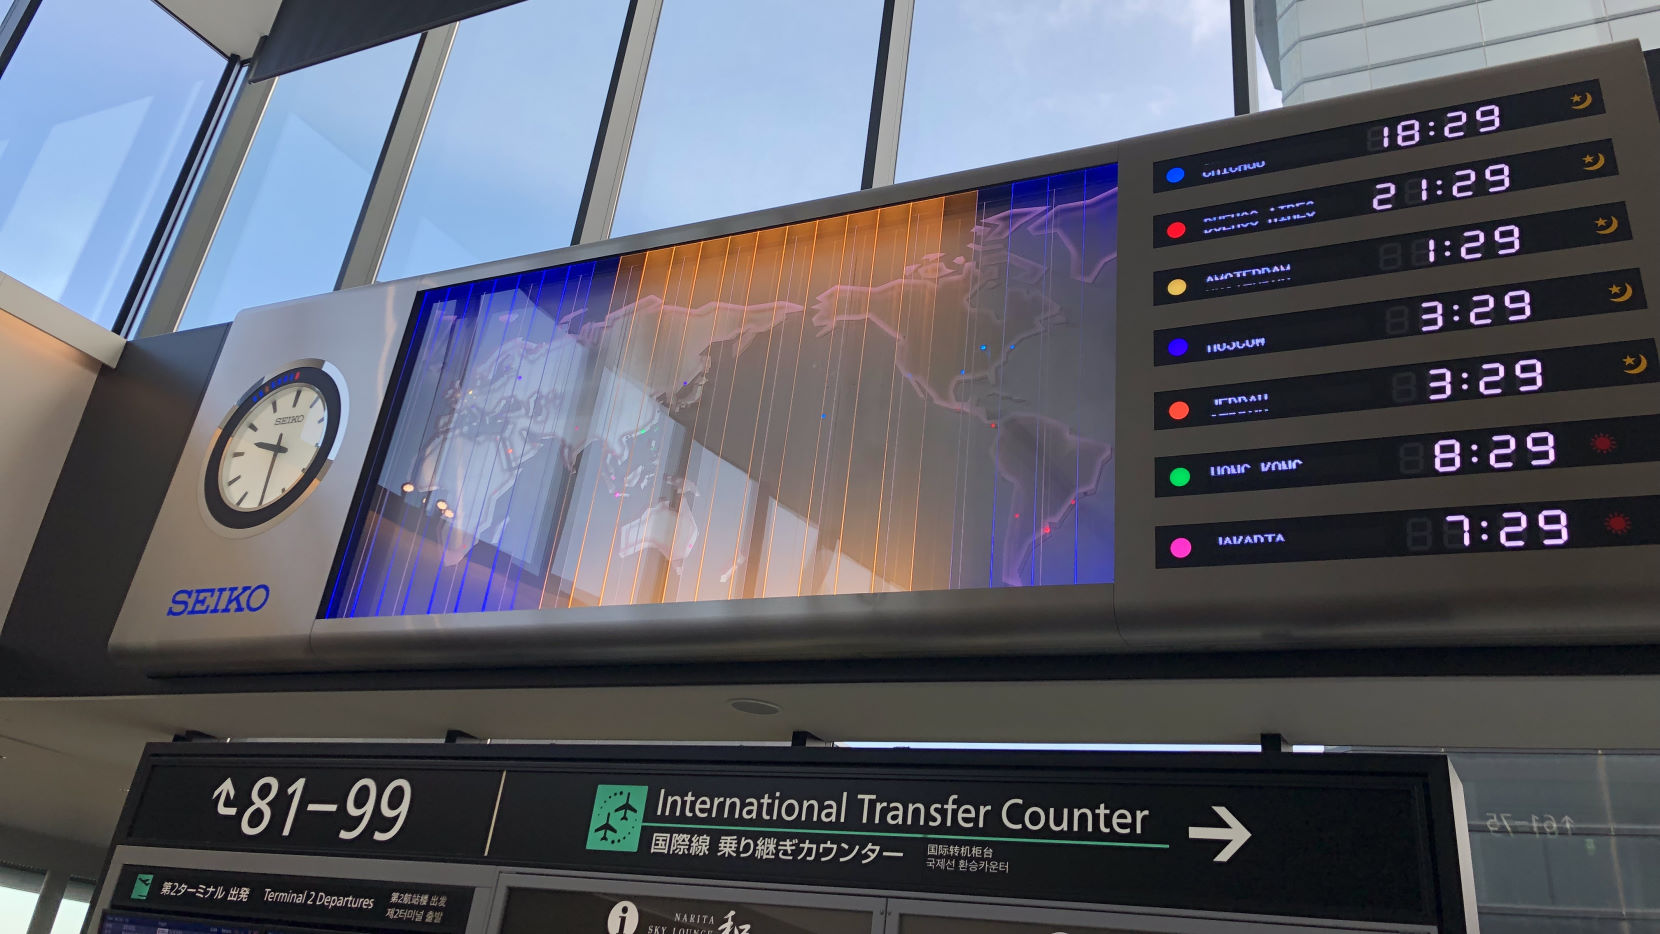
pixel 1178 347
pixel 1181 548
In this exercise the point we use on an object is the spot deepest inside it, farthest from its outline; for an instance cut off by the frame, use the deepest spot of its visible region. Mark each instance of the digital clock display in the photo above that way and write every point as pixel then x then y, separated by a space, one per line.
pixel 1487 377
pixel 1467 309
pixel 1508 449
pixel 1407 131
pixel 1447 246
pixel 1451 530
pixel 1463 181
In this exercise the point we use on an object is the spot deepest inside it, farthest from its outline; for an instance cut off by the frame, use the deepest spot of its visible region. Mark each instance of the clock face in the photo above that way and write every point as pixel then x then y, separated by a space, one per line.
pixel 273 445
pixel 273 448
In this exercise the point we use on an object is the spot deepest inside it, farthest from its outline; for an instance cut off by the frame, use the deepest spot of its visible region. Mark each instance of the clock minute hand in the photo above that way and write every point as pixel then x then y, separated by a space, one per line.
pixel 275 450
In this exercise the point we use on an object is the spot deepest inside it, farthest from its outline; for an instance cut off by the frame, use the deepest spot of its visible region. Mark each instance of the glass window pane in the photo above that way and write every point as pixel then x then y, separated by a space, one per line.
pixel 19 889
pixel 993 80
pixel 297 199
pixel 490 182
pixel 750 104
pixel 95 125
pixel 71 916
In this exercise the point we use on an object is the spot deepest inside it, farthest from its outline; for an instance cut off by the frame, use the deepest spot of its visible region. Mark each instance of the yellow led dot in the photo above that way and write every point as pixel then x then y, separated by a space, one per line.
pixel 1176 286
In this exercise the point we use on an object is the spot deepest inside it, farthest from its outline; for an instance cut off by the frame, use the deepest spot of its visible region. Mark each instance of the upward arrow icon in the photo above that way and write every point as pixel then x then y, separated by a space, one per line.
pixel 1235 833
pixel 222 797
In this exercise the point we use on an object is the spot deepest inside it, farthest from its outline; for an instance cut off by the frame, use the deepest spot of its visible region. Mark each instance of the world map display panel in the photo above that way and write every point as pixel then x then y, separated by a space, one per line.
pixel 915 397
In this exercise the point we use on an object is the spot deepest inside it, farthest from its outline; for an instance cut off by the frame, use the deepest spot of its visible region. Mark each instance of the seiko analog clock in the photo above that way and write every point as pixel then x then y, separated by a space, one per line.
pixel 274 446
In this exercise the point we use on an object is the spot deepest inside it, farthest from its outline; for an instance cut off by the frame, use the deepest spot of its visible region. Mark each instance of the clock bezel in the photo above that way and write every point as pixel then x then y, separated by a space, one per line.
pixel 329 384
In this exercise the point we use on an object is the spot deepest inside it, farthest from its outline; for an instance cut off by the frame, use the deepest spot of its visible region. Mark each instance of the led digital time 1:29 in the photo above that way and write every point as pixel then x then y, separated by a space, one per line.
pixel 1447 246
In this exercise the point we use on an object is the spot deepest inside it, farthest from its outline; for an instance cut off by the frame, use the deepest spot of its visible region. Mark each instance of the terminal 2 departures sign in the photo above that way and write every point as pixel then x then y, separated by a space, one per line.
pixel 1356 838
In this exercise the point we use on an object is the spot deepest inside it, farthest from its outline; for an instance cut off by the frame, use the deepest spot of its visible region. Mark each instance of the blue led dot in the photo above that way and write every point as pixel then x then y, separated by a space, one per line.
pixel 1178 347
pixel 982 346
pixel 1175 175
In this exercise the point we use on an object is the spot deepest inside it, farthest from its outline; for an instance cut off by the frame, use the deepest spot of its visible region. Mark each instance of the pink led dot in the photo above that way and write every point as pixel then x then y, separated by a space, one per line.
pixel 1181 548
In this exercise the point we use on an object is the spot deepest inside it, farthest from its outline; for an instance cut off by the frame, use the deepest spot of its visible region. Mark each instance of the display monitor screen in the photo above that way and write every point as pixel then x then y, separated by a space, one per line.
pixel 1451 530
pixel 1441 248
pixel 1483 307
pixel 1491 376
pixel 139 924
pixel 916 397
pixel 1469 120
pixel 1444 184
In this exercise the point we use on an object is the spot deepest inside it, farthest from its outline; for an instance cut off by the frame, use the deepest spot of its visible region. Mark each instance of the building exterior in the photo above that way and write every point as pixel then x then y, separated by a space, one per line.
pixel 1324 48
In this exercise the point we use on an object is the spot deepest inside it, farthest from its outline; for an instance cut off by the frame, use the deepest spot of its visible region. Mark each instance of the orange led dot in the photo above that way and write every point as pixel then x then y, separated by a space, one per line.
pixel 1179 410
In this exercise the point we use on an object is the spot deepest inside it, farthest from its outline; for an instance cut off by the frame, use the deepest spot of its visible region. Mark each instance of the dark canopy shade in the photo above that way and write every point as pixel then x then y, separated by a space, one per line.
pixel 310 31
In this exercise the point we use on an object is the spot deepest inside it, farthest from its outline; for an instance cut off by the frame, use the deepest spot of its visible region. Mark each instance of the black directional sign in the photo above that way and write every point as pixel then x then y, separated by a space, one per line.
pixel 1350 837
pixel 354 903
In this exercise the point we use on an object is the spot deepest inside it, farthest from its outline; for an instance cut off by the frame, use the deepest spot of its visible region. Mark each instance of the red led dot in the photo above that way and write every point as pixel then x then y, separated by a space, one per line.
pixel 1179 410
pixel 1604 444
pixel 1176 230
pixel 1617 523
pixel 1046 530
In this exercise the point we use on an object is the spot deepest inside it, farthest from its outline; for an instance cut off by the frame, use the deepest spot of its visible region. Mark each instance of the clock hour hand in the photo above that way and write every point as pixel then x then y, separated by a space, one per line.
pixel 275 450
pixel 275 447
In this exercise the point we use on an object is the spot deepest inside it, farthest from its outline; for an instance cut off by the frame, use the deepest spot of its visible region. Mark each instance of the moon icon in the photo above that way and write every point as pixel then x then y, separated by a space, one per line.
pixel 1589 99
pixel 1613 225
pixel 1602 160
pixel 1620 298
pixel 1642 365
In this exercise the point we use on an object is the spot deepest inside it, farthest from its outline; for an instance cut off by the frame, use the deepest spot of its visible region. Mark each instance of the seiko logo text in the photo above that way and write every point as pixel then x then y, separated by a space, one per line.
pixel 249 599
pixel 289 419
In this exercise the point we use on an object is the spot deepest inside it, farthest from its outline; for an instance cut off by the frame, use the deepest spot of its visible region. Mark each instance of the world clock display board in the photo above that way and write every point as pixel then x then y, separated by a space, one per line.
pixel 1372 371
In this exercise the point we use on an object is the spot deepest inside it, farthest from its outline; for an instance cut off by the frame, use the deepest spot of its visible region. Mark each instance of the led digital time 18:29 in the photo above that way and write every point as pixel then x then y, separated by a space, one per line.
pixel 1454 124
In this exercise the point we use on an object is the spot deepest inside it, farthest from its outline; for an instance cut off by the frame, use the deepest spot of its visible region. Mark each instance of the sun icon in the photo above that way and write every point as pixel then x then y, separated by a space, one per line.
pixel 1617 523
pixel 1603 444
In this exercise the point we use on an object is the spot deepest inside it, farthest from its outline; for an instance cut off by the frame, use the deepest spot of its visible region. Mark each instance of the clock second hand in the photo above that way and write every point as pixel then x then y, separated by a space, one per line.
pixel 275 448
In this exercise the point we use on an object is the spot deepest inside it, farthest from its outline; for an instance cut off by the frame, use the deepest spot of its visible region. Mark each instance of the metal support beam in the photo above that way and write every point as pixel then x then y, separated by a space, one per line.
pixel 46 906
pixel 172 215
pixel 397 159
pixel 12 28
pixel 1244 60
pixel 882 154
pixel 207 207
pixel 622 109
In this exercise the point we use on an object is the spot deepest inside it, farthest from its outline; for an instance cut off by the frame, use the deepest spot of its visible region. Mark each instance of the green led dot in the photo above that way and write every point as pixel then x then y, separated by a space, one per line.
pixel 1180 477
